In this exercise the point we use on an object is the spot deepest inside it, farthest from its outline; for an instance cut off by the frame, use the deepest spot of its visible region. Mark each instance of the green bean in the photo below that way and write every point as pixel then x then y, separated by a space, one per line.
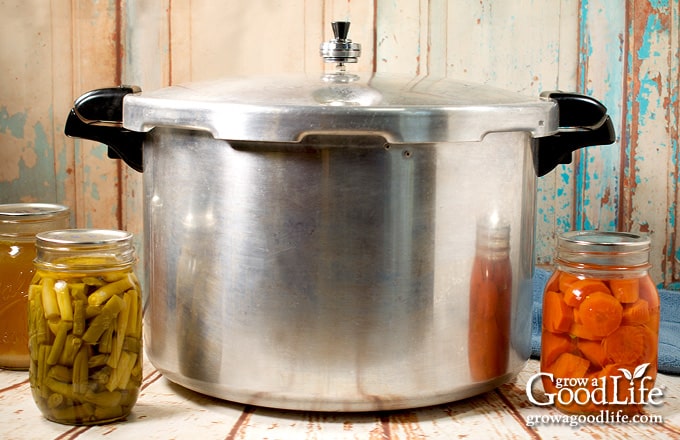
pixel 93 281
pixel 34 291
pixel 78 291
pixel 64 300
pixel 104 398
pixel 58 346
pixel 126 370
pixel 79 316
pixel 71 347
pixel 98 360
pixel 104 320
pixel 106 341
pixel 134 320
pixel 60 373
pixel 43 351
pixel 108 413
pixel 121 327
pixel 49 299
pixel 53 325
pixel 107 291
pixel 101 377
pixel 121 373
pixel 132 344
pixel 80 371
pixel 73 413
pixel 38 334
pixel 63 388
pixel 92 311
pixel 55 400
pixel 110 277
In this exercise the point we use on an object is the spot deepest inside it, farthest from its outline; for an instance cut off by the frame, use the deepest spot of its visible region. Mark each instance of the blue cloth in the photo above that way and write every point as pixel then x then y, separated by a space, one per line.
pixel 669 328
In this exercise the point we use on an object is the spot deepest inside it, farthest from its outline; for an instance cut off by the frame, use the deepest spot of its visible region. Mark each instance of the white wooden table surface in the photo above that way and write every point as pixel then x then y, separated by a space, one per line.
pixel 167 411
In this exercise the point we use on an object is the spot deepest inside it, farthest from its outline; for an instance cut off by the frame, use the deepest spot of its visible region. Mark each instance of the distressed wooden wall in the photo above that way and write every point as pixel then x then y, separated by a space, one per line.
pixel 625 53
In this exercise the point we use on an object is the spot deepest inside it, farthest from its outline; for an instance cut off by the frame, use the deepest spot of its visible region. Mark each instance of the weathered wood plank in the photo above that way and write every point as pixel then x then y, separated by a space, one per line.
pixel 650 179
pixel 555 192
pixel 628 58
pixel 29 60
pixel 600 74
pixel 95 62
pixel 165 410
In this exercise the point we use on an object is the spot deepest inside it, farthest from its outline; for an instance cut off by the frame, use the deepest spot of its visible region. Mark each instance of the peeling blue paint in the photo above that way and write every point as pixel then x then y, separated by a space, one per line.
pixel 14 123
pixel 94 192
pixel 99 151
pixel 42 146
pixel 660 4
pixel 597 171
pixel 565 178
pixel 36 182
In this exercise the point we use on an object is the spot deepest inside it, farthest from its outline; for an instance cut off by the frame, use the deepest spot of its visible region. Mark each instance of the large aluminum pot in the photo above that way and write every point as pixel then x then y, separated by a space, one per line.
pixel 310 241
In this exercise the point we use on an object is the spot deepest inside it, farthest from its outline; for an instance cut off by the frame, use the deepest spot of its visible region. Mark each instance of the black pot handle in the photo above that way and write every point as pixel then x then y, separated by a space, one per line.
pixel 583 122
pixel 98 116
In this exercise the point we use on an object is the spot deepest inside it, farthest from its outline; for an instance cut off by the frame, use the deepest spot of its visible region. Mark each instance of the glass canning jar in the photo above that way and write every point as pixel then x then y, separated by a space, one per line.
pixel 19 222
pixel 85 326
pixel 490 301
pixel 600 324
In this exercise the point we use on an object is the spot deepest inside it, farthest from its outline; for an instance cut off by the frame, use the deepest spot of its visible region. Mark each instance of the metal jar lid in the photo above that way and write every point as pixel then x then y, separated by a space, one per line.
pixel 286 108
pixel 84 249
pixel 27 219
pixel 603 248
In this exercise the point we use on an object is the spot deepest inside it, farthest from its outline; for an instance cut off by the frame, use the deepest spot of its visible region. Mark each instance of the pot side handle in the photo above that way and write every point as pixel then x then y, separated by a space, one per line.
pixel 583 122
pixel 98 116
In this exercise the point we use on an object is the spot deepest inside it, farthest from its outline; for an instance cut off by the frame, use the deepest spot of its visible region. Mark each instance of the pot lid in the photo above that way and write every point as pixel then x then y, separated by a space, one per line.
pixel 286 108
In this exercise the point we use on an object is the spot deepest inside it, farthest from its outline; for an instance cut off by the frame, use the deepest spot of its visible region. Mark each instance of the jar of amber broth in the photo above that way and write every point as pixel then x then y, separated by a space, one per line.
pixel 600 324
pixel 85 326
pixel 19 222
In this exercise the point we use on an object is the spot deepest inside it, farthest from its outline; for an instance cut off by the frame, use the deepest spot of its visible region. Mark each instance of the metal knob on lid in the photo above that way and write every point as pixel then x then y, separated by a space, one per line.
pixel 340 49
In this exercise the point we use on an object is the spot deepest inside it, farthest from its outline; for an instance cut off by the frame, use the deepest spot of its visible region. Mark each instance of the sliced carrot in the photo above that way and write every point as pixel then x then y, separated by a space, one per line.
pixel 579 290
pixel 636 313
pixel 577 330
pixel 577 316
pixel 625 345
pixel 553 345
pixel 565 280
pixel 648 292
pixel 569 365
pixel 557 316
pixel 593 351
pixel 600 314
pixel 553 282
pixel 651 347
pixel 625 290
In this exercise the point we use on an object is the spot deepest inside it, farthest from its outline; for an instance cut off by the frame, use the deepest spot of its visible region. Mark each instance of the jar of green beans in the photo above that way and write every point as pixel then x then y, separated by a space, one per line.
pixel 85 326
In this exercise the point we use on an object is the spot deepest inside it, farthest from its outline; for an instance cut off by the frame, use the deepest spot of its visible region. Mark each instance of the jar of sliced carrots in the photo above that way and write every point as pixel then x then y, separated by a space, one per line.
pixel 600 324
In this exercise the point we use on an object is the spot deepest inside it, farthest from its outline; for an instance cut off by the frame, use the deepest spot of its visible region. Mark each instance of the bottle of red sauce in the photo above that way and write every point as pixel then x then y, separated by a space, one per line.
pixel 490 301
